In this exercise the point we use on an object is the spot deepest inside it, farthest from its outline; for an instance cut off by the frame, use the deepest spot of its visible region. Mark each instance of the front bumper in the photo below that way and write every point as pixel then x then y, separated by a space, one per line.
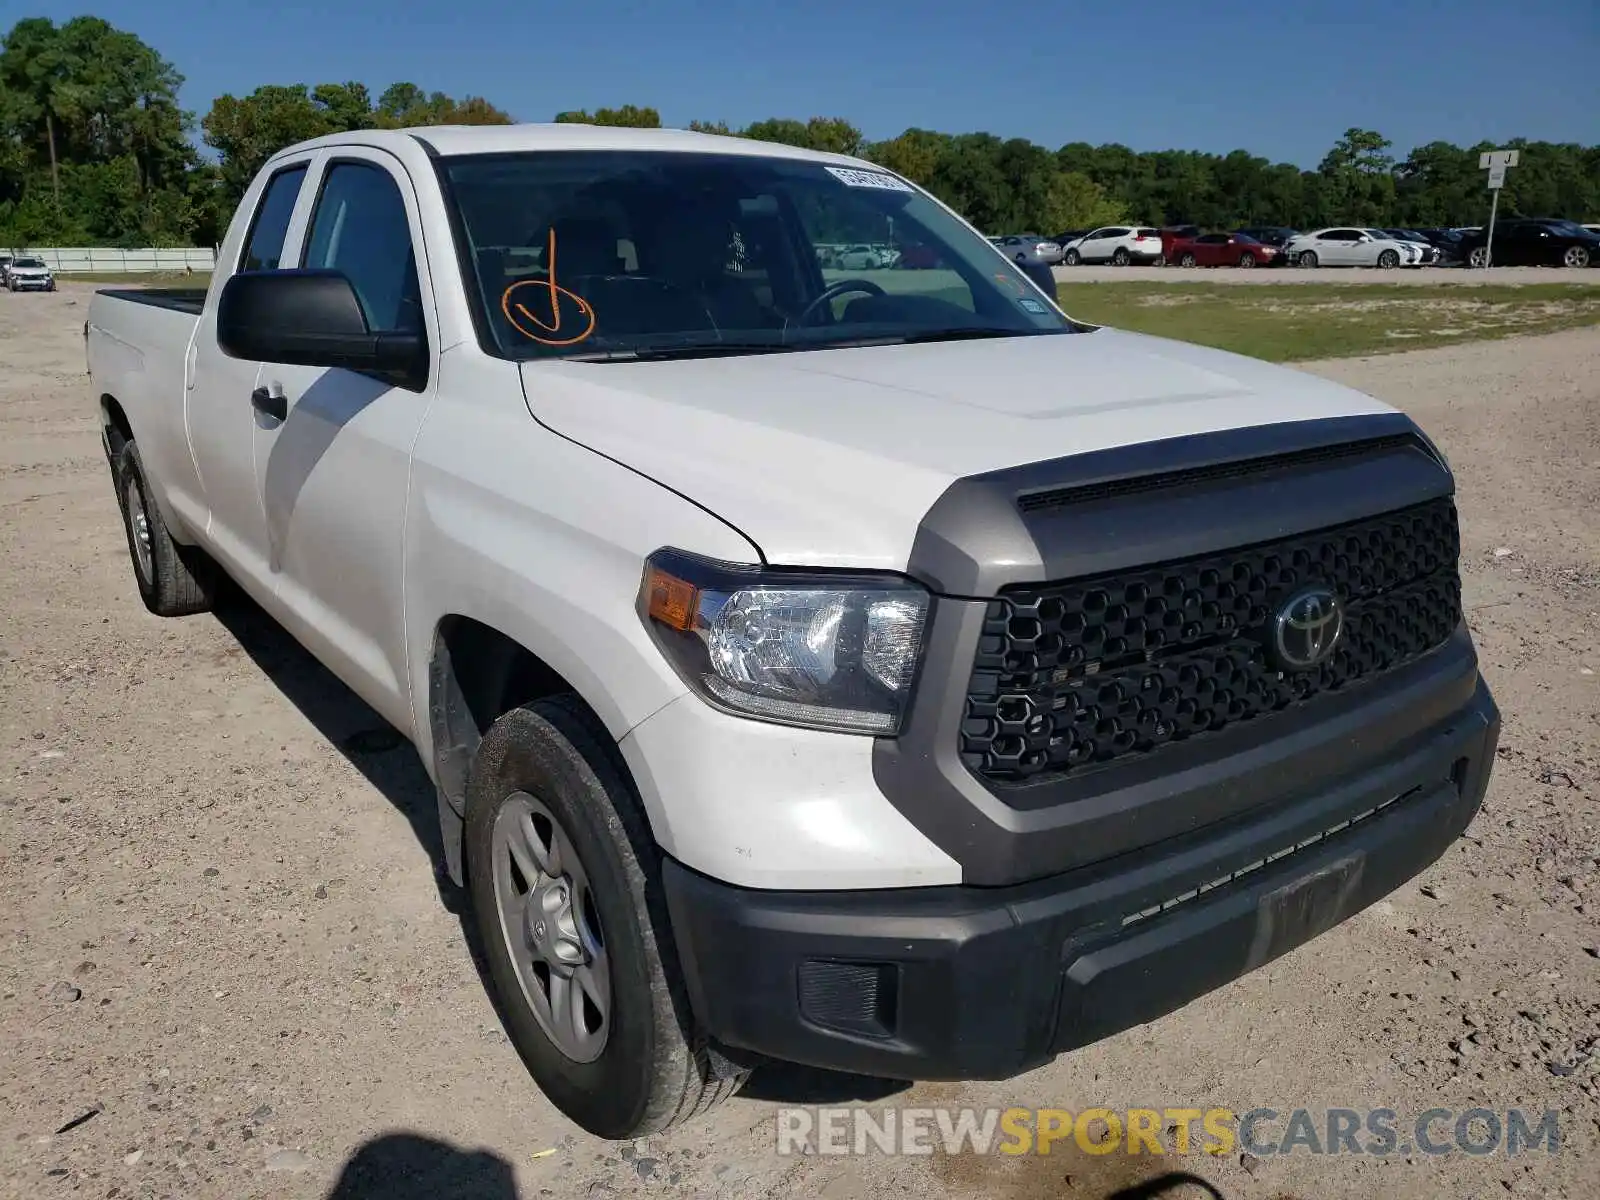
pixel 985 983
pixel 32 283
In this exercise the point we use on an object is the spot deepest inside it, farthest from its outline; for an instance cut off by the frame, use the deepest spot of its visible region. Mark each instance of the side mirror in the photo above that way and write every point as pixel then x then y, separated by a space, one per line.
pixel 313 319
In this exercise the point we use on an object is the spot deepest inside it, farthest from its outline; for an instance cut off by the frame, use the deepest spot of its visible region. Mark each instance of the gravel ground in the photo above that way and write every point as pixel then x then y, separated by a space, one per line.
pixel 224 955
pixel 1416 277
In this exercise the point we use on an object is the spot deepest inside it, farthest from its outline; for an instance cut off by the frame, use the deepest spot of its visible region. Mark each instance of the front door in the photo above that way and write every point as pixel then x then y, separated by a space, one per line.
pixel 333 473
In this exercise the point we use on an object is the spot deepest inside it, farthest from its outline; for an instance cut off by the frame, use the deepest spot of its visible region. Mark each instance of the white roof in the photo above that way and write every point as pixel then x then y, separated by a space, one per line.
pixel 451 140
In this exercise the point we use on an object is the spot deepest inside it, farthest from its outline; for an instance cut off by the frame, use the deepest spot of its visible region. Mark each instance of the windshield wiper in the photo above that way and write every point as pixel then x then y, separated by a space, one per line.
pixel 959 333
pixel 649 353
pixel 670 350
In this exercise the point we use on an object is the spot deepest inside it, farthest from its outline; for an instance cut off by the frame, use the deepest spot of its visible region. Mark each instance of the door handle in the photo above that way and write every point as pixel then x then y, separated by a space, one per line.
pixel 264 401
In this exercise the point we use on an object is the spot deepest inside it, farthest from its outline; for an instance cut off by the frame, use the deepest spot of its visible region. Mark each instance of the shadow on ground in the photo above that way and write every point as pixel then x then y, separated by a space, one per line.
pixel 409 1166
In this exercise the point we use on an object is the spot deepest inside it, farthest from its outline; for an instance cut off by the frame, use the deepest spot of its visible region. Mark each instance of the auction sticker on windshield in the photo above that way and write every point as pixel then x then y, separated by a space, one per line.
pixel 851 177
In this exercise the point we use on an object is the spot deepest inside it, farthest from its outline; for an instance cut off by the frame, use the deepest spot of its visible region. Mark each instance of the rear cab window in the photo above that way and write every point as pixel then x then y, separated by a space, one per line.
pixel 263 248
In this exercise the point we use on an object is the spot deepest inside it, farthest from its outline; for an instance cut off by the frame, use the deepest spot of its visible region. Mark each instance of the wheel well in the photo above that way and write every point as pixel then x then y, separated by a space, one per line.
pixel 477 673
pixel 114 422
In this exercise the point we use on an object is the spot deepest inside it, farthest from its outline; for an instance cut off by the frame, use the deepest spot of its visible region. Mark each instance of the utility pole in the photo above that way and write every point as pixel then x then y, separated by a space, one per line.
pixel 1495 162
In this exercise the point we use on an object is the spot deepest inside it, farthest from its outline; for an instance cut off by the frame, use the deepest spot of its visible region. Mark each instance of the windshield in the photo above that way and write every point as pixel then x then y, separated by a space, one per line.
pixel 590 253
pixel 28 262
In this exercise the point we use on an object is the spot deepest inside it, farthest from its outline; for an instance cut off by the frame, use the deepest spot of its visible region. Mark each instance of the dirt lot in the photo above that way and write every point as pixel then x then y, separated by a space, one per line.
pixel 222 939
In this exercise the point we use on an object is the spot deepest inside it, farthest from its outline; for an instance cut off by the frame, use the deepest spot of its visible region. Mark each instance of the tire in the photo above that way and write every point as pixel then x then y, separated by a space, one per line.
pixel 1188 260
pixel 1388 260
pixel 1120 258
pixel 1576 256
pixel 1478 256
pixel 1073 258
pixel 1308 259
pixel 1247 260
pixel 174 580
pixel 551 765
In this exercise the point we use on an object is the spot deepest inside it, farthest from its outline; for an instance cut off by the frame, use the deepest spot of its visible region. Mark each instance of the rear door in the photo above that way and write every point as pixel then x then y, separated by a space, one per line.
pixel 218 409
pixel 1210 249
pixel 333 473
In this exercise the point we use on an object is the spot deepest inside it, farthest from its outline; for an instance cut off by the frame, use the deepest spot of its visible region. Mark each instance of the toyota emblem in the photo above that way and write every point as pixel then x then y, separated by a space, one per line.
pixel 1307 628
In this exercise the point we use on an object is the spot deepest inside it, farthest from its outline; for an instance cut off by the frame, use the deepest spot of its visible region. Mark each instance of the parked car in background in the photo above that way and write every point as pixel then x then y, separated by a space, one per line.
pixel 1171 235
pixel 860 258
pixel 1276 236
pixel 5 266
pixel 28 274
pixel 1536 242
pixel 1427 252
pixel 1221 250
pixel 1118 244
pixel 1347 246
pixel 1064 238
pixel 1447 242
pixel 1025 246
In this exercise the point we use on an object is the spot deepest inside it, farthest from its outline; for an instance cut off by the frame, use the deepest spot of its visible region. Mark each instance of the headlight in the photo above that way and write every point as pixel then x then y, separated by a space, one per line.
pixel 822 650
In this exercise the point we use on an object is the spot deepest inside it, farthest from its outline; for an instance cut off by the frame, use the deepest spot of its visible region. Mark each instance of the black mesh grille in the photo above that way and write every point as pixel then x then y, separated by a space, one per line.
pixel 1094 669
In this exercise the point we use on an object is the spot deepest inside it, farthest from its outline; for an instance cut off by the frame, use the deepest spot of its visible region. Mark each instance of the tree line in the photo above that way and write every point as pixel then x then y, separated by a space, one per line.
pixel 95 149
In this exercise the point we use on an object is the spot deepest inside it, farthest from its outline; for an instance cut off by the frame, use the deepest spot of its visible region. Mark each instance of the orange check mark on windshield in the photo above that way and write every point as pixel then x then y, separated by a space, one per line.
pixel 547 292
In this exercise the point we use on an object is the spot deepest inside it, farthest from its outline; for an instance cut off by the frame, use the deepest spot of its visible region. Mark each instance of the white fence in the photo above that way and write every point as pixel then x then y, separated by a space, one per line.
pixel 113 261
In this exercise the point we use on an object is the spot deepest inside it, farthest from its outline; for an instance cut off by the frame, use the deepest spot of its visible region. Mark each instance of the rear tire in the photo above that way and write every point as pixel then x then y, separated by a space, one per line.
pixel 174 580
pixel 1478 257
pixel 651 1068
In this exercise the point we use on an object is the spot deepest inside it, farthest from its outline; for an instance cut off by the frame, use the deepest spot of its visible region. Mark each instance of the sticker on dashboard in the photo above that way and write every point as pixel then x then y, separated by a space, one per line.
pixel 851 177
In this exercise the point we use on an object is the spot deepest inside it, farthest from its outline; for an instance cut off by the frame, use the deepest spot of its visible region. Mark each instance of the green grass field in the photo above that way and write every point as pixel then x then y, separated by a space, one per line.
pixel 1291 322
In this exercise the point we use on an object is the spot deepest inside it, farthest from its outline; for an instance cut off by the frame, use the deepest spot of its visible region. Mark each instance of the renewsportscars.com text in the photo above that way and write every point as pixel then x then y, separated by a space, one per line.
pixel 1264 1132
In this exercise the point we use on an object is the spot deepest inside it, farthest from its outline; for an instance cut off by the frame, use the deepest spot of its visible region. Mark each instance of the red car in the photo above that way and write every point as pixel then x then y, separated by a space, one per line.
pixel 1221 250
pixel 1171 235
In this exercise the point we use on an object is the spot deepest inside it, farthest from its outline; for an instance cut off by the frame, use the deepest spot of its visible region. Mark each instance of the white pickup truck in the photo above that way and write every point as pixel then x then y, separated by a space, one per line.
pixel 873 669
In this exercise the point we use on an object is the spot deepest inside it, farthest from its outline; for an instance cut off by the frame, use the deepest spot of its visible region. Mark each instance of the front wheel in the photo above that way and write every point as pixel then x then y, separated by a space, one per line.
pixel 1072 259
pixel 1187 260
pixel 566 890
pixel 1121 257
pixel 1576 256
pixel 1389 259
pixel 1247 260
pixel 1308 259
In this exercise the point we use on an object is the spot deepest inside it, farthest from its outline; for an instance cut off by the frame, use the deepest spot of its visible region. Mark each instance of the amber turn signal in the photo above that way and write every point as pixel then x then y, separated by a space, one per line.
pixel 673 601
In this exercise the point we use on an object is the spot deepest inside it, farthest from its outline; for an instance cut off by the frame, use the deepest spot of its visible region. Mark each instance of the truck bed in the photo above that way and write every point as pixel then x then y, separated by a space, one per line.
pixel 186 300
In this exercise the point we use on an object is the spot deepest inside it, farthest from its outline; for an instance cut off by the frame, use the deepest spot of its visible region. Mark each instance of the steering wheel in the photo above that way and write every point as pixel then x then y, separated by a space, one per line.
pixel 832 292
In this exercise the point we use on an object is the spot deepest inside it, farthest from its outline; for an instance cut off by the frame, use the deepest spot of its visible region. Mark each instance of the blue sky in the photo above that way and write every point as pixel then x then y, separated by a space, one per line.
pixel 1281 79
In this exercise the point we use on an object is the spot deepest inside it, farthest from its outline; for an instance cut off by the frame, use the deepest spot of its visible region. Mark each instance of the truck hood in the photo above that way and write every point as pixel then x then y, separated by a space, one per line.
pixel 833 457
